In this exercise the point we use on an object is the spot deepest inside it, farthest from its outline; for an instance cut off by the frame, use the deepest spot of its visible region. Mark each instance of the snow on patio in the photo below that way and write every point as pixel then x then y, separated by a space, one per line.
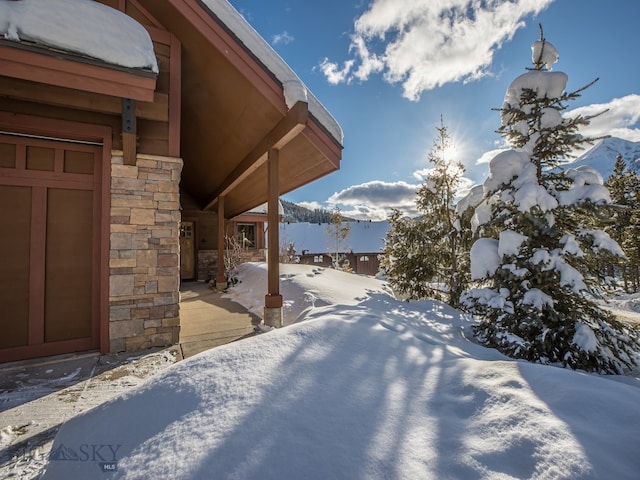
pixel 365 387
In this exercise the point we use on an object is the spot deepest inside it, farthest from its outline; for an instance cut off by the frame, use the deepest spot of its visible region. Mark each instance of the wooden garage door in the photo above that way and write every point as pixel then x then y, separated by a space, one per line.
pixel 49 247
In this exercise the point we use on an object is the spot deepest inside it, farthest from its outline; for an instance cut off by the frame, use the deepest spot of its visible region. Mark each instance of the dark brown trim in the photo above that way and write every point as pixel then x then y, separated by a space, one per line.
pixel 220 275
pixel 62 97
pixel 175 96
pixel 147 15
pixel 104 239
pixel 37 265
pixel 323 142
pixel 45 349
pixel 46 127
pixel 62 72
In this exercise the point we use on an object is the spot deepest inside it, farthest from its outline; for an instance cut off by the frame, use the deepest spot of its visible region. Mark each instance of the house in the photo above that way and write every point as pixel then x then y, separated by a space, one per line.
pixel 131 132
pixel 314 246
pixel 249 232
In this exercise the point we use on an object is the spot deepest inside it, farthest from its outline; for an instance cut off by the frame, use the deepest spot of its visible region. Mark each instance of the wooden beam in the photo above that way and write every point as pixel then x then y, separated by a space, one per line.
pixel 273 299
pixel 92 102
pixel 273 188
pixel 175 96
pixel 221 277
pixel 287 129
pixel 39 66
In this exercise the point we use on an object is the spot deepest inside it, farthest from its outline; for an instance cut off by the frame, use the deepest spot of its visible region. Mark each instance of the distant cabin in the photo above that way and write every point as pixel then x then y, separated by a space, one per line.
pixel 362 248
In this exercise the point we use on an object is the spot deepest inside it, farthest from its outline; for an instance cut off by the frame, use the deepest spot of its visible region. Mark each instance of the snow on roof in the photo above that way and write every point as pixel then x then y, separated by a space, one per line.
pixel 294 89
pixel 364 237
pixel 79 26
pixel 264 209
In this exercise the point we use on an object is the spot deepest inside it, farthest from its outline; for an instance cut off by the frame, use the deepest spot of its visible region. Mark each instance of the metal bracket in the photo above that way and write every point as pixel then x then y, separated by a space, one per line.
pixel 128 115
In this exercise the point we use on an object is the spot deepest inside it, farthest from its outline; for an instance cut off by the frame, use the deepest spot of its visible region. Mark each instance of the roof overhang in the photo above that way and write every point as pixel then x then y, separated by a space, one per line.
pixel 50 67
pixel 234 111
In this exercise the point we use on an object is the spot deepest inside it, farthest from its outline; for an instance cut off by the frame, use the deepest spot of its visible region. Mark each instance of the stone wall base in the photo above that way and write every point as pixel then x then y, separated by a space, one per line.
pixel 144 261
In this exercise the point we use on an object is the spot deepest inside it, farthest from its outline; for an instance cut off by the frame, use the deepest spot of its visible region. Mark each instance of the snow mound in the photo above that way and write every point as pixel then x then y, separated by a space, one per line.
pixel 369 388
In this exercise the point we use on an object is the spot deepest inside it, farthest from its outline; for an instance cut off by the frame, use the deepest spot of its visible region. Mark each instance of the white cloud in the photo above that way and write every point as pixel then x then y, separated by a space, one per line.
pixel 375 200
pixel 333 72
pixel 282 38
pixel 423 44
pixel 312 205
pixel 621 119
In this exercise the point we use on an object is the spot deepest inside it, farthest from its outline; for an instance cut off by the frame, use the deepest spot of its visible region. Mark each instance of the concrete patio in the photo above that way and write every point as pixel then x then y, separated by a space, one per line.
pixel 208 320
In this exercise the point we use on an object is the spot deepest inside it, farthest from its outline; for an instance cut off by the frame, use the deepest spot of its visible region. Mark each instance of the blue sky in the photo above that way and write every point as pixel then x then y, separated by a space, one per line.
pixel 387 70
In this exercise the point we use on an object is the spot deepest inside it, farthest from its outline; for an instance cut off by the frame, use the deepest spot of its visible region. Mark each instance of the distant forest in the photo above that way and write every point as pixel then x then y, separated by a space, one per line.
pixel 295 213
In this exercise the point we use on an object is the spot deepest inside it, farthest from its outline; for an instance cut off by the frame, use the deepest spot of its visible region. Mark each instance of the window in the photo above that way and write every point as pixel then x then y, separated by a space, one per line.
pixel 247 235
pixel 364 258
pixel 318 258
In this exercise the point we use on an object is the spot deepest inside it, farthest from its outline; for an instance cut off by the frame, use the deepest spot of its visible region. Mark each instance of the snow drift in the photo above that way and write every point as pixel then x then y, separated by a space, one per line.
pixel 366 387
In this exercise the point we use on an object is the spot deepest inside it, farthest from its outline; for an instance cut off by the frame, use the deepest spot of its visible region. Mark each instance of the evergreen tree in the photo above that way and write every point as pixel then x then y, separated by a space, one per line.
pixel 339 231
pixel 425 257
pixel 539 225
pixel 624 185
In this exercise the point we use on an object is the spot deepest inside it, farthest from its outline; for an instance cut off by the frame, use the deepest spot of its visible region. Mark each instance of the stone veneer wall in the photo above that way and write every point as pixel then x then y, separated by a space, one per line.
pixel 144 263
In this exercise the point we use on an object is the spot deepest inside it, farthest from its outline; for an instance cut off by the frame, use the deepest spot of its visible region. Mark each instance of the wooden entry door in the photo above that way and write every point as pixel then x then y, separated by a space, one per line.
pixel 49 250
pixel 187 251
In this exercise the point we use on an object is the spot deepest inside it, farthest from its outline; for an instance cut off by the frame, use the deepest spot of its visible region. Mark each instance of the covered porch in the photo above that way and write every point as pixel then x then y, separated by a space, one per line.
pixel 209 320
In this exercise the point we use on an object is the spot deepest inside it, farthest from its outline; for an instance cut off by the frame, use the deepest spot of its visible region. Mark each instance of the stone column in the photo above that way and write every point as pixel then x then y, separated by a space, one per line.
pixel 144 262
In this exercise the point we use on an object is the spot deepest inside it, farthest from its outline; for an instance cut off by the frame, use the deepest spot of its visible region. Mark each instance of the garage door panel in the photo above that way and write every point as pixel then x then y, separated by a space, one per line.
pixel 15 218
pixel 41 158
pixel 69 260
pixel 7 155
pixel 50 247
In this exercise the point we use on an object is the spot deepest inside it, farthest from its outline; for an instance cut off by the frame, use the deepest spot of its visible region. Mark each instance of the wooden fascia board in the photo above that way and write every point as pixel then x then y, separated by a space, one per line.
pixel 142 10
pixel 175 96
pixel 58 96
pixel 219 36
pixel 50 70
pixel 250 218
pixel 288 128
pixel 324 142
pixel 69 130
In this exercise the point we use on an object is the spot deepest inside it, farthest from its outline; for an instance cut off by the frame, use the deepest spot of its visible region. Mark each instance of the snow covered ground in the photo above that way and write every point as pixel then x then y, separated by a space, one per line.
pixel 625 307
pixel 361 386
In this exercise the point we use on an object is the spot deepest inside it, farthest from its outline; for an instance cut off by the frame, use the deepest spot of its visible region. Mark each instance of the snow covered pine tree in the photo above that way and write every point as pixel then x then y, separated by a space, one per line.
pixel 624 186
pixel 425 257
pixel 537 222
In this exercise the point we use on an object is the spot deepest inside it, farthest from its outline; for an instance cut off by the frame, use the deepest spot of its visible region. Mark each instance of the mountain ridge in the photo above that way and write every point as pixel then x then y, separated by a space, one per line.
pixel 602 156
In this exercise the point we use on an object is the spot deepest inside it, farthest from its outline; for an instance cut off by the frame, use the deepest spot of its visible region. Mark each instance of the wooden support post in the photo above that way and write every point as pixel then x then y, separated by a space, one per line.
pixel 129 138
pixel 221 278
pixel 273 299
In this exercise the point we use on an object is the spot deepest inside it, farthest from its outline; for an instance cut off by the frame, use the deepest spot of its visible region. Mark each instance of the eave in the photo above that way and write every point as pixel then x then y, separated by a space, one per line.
pixel 59 69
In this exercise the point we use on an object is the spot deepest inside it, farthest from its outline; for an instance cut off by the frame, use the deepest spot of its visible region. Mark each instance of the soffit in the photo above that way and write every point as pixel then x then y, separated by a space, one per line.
pixel 229 104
